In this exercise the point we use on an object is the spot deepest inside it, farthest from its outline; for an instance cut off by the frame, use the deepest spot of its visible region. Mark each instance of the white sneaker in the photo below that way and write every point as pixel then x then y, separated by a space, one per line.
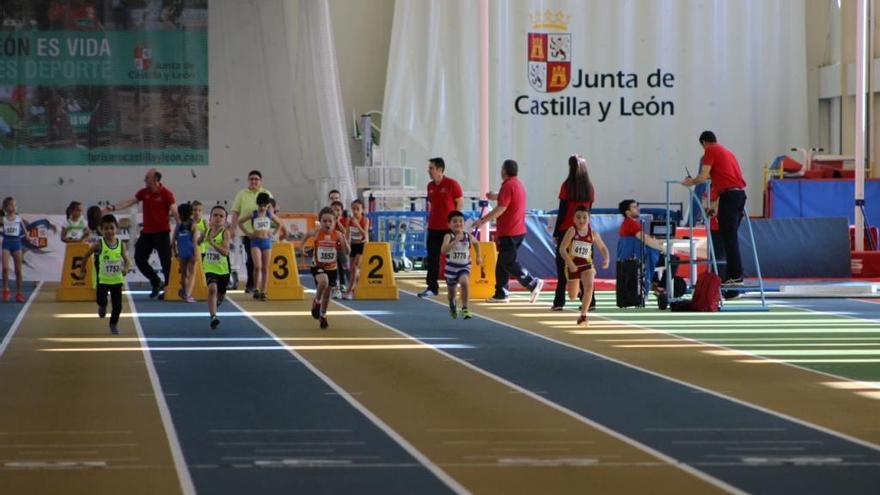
pixel 536 291
pixel 336 294
pixel 427 293
pixel 503 300
pixel 348 296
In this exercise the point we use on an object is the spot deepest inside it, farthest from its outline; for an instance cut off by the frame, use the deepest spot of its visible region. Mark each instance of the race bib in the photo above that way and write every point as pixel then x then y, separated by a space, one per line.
pixel 112 267
pixel 11 229
pixel 357 235
pixel 581 249
pixel 264 223
pixel 213 256
pixel 460 255
pixel 75 234
pixel 326 255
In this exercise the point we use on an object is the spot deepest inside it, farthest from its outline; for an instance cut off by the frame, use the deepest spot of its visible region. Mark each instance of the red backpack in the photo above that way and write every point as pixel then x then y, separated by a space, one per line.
pixel 707 293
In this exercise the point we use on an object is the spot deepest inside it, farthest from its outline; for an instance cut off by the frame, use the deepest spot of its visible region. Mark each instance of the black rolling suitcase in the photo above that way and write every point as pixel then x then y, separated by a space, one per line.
pixel 630 283
pixel 630 289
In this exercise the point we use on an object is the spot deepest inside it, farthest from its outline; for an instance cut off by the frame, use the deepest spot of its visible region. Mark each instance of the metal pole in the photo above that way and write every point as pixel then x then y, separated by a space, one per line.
pixel 668 261
pixel 861 62
pixel 484 106
pixel 870 145
pixel 755 252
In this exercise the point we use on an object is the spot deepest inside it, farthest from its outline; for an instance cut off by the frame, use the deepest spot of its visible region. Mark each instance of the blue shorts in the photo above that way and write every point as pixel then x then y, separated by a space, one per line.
pixel 12 244
pixel 263 243
pixel 185 253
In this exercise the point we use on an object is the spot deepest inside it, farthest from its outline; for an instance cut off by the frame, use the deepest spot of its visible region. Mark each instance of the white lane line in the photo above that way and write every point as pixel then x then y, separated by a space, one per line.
pixel 750 405
pixel 18 319
pixel 672 333
pixel 569 412
pixel 186 482
pixel 411 449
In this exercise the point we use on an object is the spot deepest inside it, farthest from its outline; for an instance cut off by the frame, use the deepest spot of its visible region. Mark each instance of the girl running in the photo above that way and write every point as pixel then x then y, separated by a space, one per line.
pixel 261 243
pixel 358 236
pixel 341 259
pixel 328 241
pixel 75 228
pixel 216 261
pixel 14 230
pixel 201 226
pixel 183 245
pixel 576 250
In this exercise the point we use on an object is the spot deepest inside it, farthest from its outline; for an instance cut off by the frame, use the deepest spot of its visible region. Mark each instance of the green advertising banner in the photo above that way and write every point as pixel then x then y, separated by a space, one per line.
pixel 104 82
pixel 104 58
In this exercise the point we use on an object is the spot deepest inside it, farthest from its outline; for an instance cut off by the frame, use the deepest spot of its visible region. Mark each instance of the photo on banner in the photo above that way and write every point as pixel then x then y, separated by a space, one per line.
pixel 104 82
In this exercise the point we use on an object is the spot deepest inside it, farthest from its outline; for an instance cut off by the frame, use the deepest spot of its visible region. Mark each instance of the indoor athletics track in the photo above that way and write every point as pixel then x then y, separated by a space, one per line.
pixel 396 397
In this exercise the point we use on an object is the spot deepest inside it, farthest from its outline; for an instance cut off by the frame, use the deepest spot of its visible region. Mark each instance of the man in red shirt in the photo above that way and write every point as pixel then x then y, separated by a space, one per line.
pixel 631 227
pixel 729 187
pixel 444 196
pixel 158 204
pixel 510 230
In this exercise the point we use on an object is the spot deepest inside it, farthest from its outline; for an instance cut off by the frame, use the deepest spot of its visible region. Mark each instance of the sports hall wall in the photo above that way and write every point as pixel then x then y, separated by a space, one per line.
pixel 270 107
pixel 361 34
pixel 666 71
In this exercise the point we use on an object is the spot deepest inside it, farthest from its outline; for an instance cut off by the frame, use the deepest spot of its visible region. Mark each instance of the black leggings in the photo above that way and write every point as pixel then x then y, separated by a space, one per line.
pixel 432 262
pixel 249 262
pixel 731 209
pixel 508 265
pixel 146 243
pixel 115 291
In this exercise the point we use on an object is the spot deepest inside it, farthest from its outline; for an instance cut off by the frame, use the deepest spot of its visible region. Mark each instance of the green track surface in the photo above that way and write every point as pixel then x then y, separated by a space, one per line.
pixel 841 345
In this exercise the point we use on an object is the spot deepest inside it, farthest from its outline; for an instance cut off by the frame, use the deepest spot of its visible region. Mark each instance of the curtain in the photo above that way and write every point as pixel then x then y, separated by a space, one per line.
pixel 737 68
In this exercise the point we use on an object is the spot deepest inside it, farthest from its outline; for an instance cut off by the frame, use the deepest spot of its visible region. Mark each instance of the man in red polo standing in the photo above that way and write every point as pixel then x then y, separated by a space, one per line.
pixel 158 204
pixel 444 196
pixel 510 230
pixel 729 191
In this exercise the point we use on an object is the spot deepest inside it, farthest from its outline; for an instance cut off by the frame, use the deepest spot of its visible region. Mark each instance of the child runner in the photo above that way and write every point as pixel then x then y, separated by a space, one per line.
pixel 216 261
pixel 261 243
pixel 457 248
pixel 328 243
pixel 112 264
pixel 342 260
pixel 358 235
pixel 14 229
pixel 201 226
pixel 576 250
pixel 75 228
pixel 183 245
pixel 93 220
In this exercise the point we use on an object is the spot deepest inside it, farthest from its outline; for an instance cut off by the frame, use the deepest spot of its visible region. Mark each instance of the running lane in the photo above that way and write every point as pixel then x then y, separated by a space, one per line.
pixel 9 311
pixel 750 449
pixel 251 417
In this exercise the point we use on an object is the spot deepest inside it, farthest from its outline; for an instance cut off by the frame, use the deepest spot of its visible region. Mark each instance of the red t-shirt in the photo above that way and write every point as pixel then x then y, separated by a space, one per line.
pixel 157 206
pixel 630 227
pixel 441 200
pixel 562 224
pixel 725 171
pixel 513 221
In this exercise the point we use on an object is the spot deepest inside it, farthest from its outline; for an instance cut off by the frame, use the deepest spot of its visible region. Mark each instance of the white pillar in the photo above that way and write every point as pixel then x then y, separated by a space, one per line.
pixel 484 106
pixel 861 62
